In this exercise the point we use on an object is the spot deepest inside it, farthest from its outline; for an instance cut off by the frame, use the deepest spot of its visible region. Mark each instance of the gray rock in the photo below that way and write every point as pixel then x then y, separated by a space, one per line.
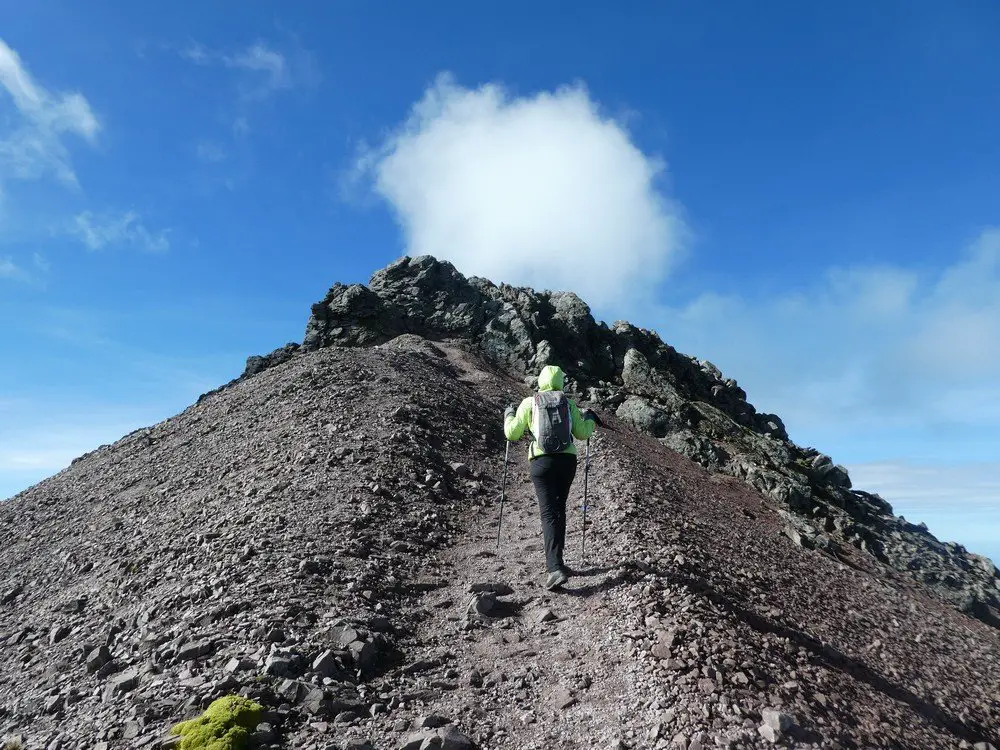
pixel 482 604
pixel 291 690
pixel 545 615
pixel 497 589
pixel 769 733
pixel 453 739
pixel 120 684
pixel 365 656
pixel 98 658
pixel 11 594
pixel 780 722
pixel 344 635
pixel 431 721
pixel 58 633
pixel 194 650
pixel 326 664
pixel 278 666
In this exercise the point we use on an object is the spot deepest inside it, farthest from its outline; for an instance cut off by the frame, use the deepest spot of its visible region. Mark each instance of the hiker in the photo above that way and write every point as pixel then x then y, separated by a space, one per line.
pixel 554 420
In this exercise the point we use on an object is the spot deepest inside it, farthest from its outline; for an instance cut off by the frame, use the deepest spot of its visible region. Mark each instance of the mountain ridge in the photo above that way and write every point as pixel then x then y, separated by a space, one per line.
pixel 684 402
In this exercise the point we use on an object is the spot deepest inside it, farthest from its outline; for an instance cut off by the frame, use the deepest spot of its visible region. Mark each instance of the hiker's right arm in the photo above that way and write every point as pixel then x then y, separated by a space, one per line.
pixel 584 423
pixel 514 426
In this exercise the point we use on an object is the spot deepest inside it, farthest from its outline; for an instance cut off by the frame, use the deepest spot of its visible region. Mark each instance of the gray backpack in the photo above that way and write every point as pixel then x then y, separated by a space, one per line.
pixel 554 428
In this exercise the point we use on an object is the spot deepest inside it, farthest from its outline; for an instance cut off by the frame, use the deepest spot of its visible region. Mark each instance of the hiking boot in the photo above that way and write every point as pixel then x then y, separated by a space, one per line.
pixel 556 579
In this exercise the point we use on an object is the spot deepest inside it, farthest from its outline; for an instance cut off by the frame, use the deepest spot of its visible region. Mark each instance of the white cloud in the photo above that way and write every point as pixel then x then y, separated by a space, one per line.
pixel 543 190
pixel 865 348
pixel 31 141
pixel 99 232
pixel 30 452
pixel 956 501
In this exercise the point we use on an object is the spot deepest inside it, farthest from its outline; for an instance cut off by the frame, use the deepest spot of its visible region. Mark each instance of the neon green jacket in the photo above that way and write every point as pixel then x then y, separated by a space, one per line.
pixel 551 378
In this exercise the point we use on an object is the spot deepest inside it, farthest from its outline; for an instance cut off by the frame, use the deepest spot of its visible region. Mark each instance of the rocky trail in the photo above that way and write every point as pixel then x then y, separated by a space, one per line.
pixel 320 536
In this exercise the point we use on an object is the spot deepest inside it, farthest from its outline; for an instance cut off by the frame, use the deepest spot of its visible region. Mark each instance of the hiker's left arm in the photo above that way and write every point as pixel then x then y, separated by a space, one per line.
pixel 515 425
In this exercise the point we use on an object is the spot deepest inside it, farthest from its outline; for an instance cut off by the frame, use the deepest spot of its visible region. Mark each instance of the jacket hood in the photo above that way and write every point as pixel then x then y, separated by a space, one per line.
pixel 551 378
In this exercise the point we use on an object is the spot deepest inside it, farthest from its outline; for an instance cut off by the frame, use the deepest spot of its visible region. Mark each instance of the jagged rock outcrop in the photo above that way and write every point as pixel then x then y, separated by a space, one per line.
pixel 685 402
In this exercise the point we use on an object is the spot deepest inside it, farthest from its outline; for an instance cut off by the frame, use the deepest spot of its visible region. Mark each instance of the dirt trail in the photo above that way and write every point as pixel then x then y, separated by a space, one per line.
pixel 541 669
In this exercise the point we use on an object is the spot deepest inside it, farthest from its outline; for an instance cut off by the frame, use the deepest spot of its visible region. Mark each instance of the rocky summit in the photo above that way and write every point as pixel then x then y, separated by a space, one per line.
pixel 320 535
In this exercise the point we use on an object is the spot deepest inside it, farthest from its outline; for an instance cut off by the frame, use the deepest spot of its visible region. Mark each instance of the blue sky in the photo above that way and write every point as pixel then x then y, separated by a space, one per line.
pixel 804 193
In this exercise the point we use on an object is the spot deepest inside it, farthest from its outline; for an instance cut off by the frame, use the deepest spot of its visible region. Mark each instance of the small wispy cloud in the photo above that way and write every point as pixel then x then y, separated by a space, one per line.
pixel 268 69
pixel 210 152
pixel 32 139
pixel 32 273
pixel 9 270
pixel 98 232
pixel 270 64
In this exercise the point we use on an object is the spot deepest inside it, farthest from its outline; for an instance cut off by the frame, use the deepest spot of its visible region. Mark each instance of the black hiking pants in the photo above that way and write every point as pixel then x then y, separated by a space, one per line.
pixel 552 476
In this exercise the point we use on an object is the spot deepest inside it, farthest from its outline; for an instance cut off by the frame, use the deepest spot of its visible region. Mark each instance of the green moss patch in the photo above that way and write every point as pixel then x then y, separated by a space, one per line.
pixel 225 725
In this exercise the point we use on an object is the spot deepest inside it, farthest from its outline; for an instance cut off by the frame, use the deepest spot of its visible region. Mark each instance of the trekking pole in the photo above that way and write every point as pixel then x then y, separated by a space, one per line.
pixel 503 491
pixel 586 474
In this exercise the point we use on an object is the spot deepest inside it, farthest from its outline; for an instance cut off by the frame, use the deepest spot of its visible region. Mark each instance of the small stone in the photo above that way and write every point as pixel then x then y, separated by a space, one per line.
pixel 98 658
pixel 123 683
pixel 431 721
pixel 768 732
pixel 277 666
pixel 344 635
pixel 461 469
pixel 326 664
pixel 416 740
pixel 275 635
pixel 706 686
pixel 482 604
pixel 315 700
pixel 663 647
pixel 780 722
pixel 11 594
pixel 53 704
pixel 546 615
pixel 290 690
pixel 497 589
pixel 58 633
pixel 194 650
pixel 563 698
pixel 265 734
pixel 452 739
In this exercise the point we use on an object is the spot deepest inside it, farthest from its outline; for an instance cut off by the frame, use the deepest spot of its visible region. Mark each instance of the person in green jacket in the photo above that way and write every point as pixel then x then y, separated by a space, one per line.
pixel 552 473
